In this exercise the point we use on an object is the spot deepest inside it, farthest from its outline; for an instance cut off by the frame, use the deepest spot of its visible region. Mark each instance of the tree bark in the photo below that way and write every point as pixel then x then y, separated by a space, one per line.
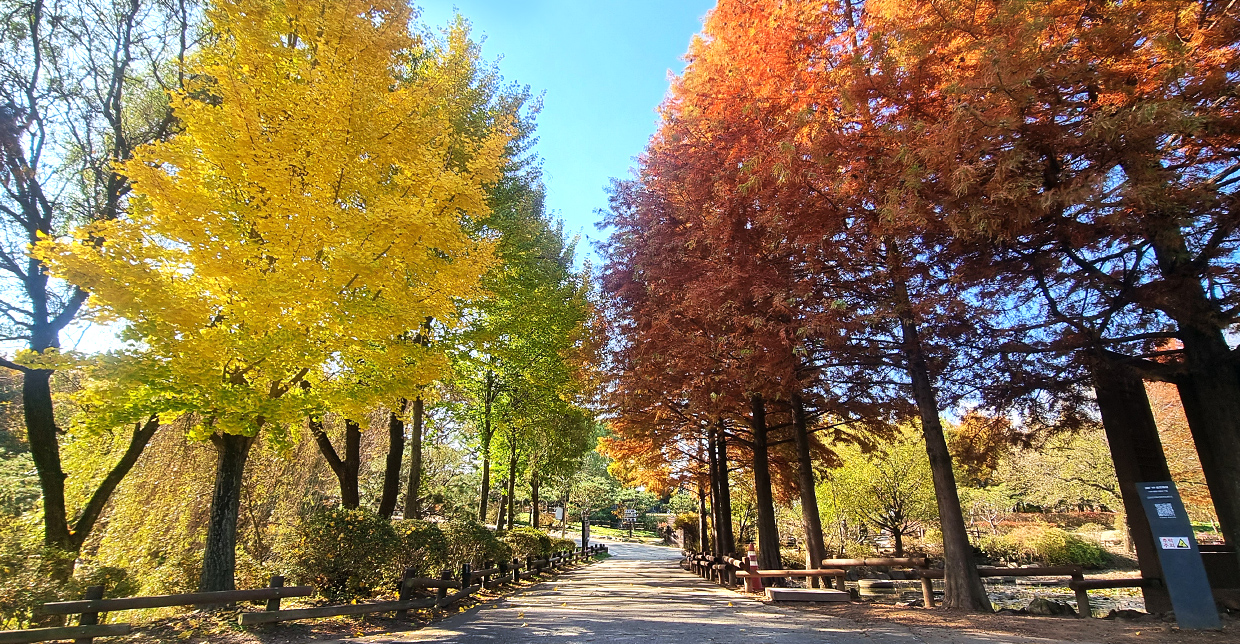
pixel 391 469
pixel 712 470
pixel 728 538
pixel 534 515
pixel 768 531
pixel 512 488
pixel 1213 379
pixel 487 397
pixel 703 528
pixel 962 585
pixel 45 452
pixel 1136 449
pixel 220 552
pixel 810 516
pixel 345 469
pixel 413 491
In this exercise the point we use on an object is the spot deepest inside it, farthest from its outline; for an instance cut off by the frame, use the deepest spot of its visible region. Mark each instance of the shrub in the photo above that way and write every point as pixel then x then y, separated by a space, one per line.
pixel 560 545
pixel 422 546
pixel 473 543
pixel 528 542
pixel 346 554
pixel 1044 544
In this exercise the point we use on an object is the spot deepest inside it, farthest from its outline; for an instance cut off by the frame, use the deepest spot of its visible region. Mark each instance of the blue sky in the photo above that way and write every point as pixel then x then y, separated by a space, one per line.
pixel 603 68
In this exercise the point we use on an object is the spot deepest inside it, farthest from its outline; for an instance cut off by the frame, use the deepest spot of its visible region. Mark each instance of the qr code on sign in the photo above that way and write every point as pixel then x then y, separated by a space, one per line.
pixel 1164 510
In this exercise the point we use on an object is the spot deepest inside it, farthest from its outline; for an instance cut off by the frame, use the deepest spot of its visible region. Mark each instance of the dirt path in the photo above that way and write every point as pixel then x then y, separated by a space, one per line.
pixel 641 595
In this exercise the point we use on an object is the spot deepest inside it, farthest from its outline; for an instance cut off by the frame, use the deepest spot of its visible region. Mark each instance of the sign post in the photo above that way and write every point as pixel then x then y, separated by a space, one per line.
pixel 630 517
pixel 1185 575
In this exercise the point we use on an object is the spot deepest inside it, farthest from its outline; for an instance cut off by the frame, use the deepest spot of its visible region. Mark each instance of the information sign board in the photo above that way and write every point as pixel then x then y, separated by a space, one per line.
pixel 1179 555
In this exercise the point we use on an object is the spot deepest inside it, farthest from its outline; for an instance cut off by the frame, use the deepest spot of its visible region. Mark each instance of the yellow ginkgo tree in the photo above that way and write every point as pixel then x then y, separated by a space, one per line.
pixel 313 208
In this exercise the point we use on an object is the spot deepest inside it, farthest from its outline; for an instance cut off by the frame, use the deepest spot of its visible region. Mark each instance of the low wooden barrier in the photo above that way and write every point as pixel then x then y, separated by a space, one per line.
pixel 1083 586
pixel 914 563
pixel 469 582
pixel 1074 572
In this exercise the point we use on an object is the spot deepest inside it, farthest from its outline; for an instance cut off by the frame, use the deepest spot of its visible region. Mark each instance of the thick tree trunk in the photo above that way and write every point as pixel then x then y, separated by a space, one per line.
pixel 962 585
pixel 703 528
pixel 413 491
pixel 768 531
pixel 487 397
pixel 391 468
pixel 512 489
pixel 45 452
pixel 534 514
pixel 345 469
pixel 727 539
pixel 1213 368
pixel 899 537
pixel 1210 467
pixel 810 516
pixel 483 517
pixel 220 553
pixel 1137 452
pixel 712 470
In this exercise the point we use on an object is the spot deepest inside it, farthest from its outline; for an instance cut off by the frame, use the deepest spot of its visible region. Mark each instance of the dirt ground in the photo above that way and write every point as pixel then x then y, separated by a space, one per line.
pixel 1117 631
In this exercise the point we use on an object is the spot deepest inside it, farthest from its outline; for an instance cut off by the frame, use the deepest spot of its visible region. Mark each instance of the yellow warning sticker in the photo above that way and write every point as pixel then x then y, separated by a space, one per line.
pixel 1175 543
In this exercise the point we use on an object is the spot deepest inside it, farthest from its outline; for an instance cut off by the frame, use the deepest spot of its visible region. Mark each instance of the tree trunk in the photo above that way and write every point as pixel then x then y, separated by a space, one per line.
pixel 391 470
pixel 898 535
pixel 486 484
pixel 345 469
pixel 703 529
pixel 1213 370
pixel 962 585
pixel 768 532
pixel 809 494
pixel 413 491
pixel 728 538
pixel 1136 449
pixel 534 514
pixel 45 452
pixel 712 469
pixel 220 553
pixel 512 489
pixel 503 506
pixel 486 450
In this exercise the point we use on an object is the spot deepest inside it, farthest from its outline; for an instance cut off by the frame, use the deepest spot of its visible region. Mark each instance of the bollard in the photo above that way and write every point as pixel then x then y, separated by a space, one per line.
pixel 753 584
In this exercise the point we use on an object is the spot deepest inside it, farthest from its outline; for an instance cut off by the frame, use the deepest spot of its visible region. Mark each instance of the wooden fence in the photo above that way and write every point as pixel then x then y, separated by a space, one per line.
pixel 468 582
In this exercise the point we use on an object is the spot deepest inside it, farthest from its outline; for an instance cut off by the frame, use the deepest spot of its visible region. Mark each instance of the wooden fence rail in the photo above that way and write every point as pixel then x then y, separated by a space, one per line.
pixel 467 583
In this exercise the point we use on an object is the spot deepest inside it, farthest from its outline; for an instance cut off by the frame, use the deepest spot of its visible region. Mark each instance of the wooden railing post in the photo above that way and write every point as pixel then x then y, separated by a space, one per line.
pixel 277 581
pixel 442 592
pixel 1082 597
pixel 404 591
pixel 516 570
pixel 89 619
pixel 467 576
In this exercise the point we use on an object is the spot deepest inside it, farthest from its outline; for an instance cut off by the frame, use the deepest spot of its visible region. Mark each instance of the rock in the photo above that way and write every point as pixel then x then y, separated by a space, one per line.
pixel 1043 606
pixel 1125 614
pixel 915 603
pixel 1009 611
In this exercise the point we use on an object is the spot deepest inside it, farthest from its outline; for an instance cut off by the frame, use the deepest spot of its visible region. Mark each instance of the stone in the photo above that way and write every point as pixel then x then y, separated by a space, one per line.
pixel 806 595
pixel 1125 614
pixel 1043 606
